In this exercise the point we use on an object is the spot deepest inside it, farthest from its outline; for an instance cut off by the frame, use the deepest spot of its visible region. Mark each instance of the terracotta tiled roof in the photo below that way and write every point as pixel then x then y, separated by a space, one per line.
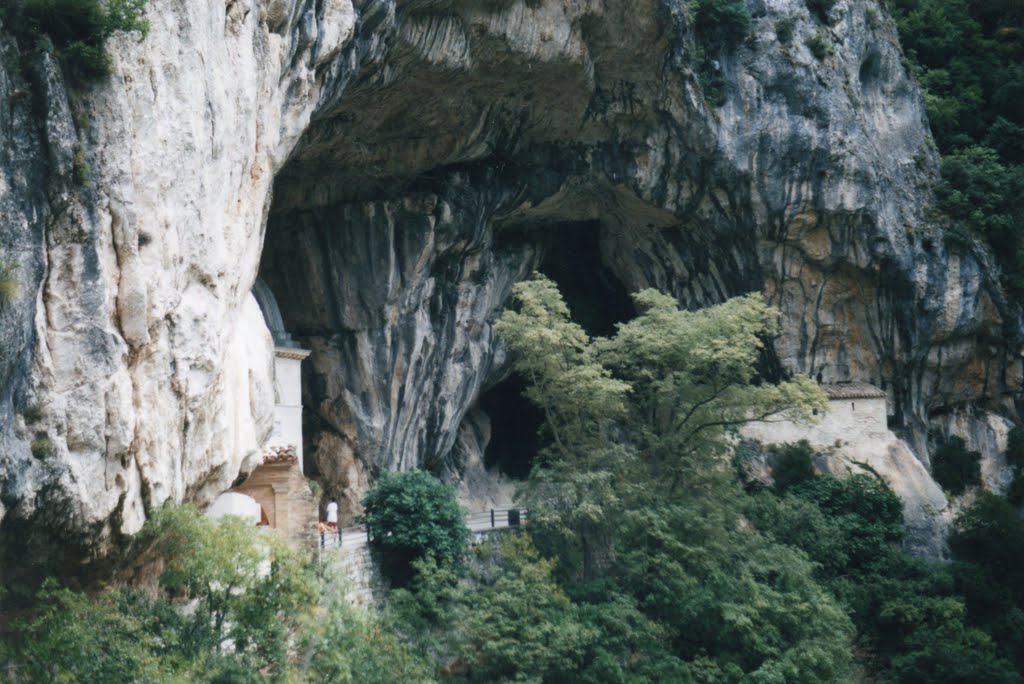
pixel 280 454
pixel 853 390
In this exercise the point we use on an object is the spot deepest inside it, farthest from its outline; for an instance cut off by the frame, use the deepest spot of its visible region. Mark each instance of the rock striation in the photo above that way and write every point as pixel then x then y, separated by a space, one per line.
pixel 390 168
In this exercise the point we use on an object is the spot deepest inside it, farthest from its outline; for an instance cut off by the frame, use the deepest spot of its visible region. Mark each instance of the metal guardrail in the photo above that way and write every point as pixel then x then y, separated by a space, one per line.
pixel 477 521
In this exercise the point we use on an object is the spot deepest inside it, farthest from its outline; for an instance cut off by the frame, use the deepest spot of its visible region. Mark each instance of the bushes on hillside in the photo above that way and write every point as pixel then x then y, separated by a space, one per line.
pixel 968 56
pixel 234 604
pixel 722 23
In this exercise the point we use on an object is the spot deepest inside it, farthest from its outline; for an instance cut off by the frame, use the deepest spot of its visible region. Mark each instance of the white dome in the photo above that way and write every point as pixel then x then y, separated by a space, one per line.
pixel 233 503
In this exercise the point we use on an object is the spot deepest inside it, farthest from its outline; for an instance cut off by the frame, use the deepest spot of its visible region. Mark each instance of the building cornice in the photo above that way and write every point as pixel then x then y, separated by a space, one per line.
pixel 291 353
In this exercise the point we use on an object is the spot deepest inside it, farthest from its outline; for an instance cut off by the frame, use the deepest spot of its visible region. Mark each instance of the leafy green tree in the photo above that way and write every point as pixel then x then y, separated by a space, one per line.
pixel 409 515
pixel 988 542
pixel 573 495
pixel 74 639
pixel 692 379
pixel 506 620
pixel 951 653
pixel 251 589
pixel 520 626
pixel 678 383
pixel 727 594
pixel 868 515
pixel 801 524
pixel 344 645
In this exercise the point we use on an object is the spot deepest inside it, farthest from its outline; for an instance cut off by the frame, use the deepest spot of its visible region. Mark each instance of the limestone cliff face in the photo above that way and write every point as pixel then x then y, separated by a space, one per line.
pixel 391 169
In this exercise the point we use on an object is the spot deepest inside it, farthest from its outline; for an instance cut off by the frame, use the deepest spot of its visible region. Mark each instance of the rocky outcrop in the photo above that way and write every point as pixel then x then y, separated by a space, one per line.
pixel 137 363
pixel 410 161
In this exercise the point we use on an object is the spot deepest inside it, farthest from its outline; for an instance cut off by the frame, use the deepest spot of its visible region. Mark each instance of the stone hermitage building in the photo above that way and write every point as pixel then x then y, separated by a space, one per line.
pixel 276 492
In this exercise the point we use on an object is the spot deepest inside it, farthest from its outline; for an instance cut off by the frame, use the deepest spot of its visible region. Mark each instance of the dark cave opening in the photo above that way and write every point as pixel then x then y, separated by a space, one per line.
pixel 596 297
pixel 514 424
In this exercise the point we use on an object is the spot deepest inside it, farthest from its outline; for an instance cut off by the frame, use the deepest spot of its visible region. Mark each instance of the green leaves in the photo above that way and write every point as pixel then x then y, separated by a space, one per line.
pixel 79 29
pixel 634 494
pixel 967 55
pixel 409 515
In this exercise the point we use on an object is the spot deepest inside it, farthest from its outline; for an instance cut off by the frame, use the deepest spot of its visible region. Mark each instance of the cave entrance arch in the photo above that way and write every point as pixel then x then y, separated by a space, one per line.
pixel 515 422
pixel 597 299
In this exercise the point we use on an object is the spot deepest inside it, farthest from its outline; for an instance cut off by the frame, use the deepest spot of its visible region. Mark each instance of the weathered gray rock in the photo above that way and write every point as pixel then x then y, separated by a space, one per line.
pixel 811 182
pixel 423 156
pixel 135 211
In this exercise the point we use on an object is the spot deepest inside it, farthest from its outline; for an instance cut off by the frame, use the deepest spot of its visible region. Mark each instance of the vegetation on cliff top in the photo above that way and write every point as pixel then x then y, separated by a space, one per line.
pixel 969 59
pixel 79 29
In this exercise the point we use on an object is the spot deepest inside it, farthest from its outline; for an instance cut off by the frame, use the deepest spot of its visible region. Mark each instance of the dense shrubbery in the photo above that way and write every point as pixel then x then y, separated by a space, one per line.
pixel 234 605
pixel 409 515
pixel 969 57
pixel 722 23
pixel 79 29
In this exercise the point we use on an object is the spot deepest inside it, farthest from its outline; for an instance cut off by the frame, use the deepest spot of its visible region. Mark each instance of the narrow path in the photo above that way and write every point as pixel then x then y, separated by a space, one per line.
pixel 478 522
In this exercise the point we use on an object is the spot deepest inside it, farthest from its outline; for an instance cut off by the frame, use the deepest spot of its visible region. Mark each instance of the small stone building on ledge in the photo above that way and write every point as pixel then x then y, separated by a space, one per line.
pixel 856 416
pixel 287 503
pixel 277 488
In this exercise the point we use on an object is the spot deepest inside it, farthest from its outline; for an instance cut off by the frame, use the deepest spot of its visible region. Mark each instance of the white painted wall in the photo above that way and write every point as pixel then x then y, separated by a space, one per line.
pixel 858 425
pixel 288 402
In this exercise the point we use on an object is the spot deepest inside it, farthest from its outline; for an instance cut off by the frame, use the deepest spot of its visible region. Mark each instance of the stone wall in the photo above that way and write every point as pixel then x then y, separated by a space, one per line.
pixel 284 494
pixel 857 426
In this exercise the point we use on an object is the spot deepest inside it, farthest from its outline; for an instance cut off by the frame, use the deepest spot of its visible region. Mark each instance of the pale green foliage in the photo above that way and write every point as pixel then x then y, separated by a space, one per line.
pixel 692 376
pixel 684 379
pixel 676 385
pixel 634 497
pixel 250 586
pixel 507 620
pixel 343 645
pixel 574 496
pixel 8 284
pixel 253 612
pixel 577 394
